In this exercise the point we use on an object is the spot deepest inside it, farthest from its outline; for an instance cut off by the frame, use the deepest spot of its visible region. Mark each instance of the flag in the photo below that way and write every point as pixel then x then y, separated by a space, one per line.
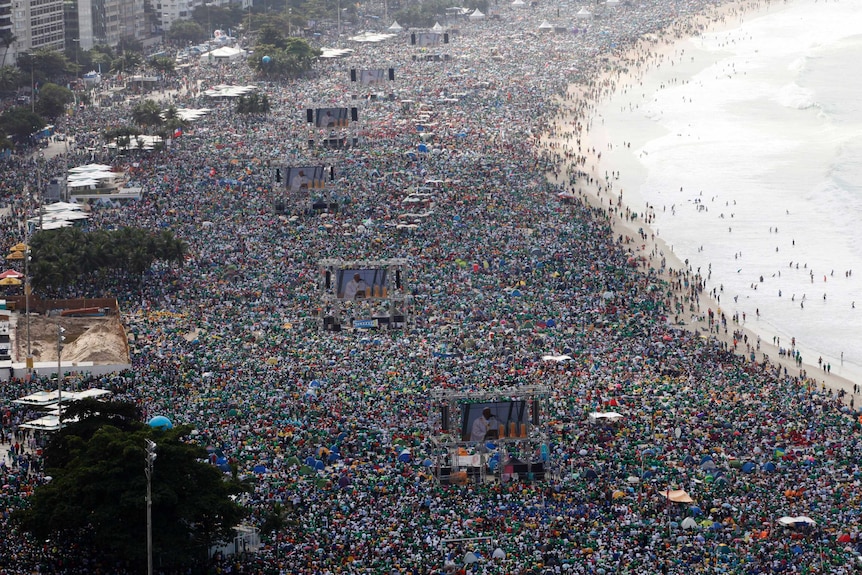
pixel 178 132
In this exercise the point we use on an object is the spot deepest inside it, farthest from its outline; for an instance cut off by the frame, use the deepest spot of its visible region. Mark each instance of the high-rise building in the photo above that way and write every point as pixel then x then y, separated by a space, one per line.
pixel 104 22
pixel 7 34
pixel 37 24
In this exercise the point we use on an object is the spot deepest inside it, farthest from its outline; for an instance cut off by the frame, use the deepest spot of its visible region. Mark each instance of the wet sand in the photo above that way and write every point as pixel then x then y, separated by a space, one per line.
pixel 579 133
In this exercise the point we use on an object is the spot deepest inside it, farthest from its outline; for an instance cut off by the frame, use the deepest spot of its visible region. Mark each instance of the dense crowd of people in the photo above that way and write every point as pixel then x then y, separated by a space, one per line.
pixel 510 263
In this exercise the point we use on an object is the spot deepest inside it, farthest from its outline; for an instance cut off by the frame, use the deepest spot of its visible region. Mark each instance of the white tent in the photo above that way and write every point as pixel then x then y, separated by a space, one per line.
pixel 477 15
pixel 800 521
pixel 612 3
pixel 557 358
pixel 546 27
pixel 223 54
pixel 610 416
pixel 396 27
pixel 437 27
pixel 519 4
pixel 371 37
pixel 584 14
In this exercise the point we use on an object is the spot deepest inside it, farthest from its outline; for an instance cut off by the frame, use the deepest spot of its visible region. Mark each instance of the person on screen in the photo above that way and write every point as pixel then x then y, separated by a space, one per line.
pixel 328 120
pixel 484 425
pixel 299 181
pixel 356 287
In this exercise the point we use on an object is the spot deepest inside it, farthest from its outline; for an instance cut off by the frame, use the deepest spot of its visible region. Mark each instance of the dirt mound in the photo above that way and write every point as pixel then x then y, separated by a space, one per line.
pixel 97 339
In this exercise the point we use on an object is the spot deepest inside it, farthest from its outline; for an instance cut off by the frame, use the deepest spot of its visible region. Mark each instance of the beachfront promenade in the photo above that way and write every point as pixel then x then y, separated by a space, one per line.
pixel 231 345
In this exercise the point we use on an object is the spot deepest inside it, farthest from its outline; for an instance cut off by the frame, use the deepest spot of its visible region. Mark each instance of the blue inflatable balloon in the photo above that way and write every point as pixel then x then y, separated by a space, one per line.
pixel 266 59
pixel 161 422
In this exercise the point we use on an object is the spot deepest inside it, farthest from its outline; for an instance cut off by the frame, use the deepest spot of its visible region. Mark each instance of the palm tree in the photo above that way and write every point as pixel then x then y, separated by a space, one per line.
pixel 147 114
pixel 275 521
pixel 7 38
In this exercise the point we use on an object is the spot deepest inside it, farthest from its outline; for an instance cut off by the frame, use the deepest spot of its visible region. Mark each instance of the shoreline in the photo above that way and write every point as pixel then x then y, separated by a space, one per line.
pixel 578 147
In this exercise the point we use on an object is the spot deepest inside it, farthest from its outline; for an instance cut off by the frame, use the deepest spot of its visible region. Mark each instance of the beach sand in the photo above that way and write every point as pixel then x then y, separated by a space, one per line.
pixel 577 137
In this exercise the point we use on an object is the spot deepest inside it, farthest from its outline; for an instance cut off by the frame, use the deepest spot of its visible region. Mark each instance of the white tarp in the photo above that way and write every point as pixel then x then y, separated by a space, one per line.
pixel 796 521
pixel 612 416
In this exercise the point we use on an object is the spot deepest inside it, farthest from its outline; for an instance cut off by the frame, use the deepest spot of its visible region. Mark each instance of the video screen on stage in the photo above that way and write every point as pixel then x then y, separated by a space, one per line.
pixel 356 284
pixel 377 76
pixel 428 39
pixel 332 117
pixel 494 420
pixel 308 177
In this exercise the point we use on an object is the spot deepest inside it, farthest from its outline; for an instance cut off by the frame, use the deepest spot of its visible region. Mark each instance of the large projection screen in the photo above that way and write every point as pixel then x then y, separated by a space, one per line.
pixel 354 284
pixel 507 419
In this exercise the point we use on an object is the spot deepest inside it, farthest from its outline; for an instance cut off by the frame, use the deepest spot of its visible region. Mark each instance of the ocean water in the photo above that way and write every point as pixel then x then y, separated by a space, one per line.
pixel 747 144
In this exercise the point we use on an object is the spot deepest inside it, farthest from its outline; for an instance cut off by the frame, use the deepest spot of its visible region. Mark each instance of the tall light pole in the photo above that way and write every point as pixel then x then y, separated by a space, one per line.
pixel 60 340
pixel 77 42
pixel 148 471
pixel 27 279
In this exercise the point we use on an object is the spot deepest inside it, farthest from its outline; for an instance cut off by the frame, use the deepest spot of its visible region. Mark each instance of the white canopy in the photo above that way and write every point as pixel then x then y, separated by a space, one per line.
pixel 612 3
pixel 90 168
pixel 396 27
pixel 609 415
pixel 192 114
pixel 519 3
pixel 328 53
pixel 584 14
pixel 545 26
pixel 796 521
pixel 228 91
pixel 689 523
pixel 557 358
pixel 61 207
pixel 223 54
pixel 477 15
pixel 371 37
pixel 437 27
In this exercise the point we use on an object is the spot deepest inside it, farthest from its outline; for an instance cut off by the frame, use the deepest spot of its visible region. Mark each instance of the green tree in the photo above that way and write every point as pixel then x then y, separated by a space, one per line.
pixel 286 57
pixel 186 31
pixel 20 123
pixel 97 493
pixel 253 104
pixel 11 78
pixel 52 100
pixel 46 66
pixel 211 18
pixel 70 255
pixel 164 64
pixel 7 39
pixel 274 523
pixel 147 114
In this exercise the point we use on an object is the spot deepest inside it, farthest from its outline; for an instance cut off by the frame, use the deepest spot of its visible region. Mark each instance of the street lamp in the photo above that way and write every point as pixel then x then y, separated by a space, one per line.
pixel 60 340
pixel 77 42
pixel 148 471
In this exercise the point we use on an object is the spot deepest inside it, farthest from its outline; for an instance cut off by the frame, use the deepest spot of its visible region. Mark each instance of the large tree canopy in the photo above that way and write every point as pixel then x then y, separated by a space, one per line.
pixel 97 495
pixel 70 255
pixel 20 123
pixel 277 55
pixel 52 100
